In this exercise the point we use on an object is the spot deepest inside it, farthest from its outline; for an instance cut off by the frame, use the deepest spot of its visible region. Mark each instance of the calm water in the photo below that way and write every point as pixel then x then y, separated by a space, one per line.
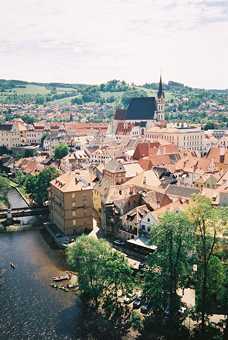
pixel 29 307
pixel 16 201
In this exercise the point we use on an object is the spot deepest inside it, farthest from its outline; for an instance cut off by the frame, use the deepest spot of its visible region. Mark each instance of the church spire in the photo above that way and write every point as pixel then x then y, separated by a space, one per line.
pixel 160 90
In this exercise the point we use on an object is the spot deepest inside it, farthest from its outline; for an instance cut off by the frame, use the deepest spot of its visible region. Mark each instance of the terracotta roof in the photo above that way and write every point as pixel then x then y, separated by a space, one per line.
pixel 74 181
pixel 145 163
pixel 145 149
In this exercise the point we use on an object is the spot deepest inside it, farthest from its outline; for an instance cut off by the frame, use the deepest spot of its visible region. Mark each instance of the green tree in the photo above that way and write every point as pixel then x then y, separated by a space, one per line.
pixel 102 271
pixel 28 119
pixel 38 185
pixel 4 185
pixel 61 151
pixel 207 221
pixel 225 302
pixel 216 278
pixel 128 95
pixel 104 278
pixel 168 268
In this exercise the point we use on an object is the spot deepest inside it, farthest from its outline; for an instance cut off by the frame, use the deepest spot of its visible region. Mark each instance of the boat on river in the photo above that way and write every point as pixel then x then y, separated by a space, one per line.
pixel 61 277
pixel 12 265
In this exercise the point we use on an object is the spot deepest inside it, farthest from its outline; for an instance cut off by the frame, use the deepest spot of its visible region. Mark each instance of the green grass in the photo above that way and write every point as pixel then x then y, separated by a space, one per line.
pixel 66 100
pixel 32 89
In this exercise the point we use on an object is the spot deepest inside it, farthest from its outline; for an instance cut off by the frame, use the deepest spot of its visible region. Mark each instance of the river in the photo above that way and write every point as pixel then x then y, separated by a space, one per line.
pixel 16 201
pixel 29 307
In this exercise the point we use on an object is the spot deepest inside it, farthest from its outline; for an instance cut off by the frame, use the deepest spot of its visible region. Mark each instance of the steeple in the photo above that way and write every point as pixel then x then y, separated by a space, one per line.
pixel 160 90
pixel 160 114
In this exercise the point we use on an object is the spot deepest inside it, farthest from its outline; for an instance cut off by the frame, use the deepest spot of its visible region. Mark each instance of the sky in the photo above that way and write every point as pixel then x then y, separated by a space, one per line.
pixel 93 41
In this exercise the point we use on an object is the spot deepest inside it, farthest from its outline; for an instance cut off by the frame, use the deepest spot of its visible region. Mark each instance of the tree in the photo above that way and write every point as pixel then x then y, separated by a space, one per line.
pixel 28 119
pixel 216 278
pixel 104 277
pixel 61 151
pixel 4 185
pixel 38 185
pixel 128 95
pixel 168 268
pixel 225 302
pixel 207 221
pixel 102 271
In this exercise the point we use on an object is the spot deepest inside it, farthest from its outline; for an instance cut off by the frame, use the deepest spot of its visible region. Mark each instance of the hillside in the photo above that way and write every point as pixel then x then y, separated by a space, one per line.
pixel 182 102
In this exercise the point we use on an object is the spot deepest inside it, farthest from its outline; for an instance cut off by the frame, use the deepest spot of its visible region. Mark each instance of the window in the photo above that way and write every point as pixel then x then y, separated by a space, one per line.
pixel 73 213
pixel 74 222
pixel 73 204
pixel 73 195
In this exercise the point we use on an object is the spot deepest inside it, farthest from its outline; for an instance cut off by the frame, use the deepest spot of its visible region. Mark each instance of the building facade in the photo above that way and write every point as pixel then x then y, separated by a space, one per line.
pixel 73 204
pixel 186 138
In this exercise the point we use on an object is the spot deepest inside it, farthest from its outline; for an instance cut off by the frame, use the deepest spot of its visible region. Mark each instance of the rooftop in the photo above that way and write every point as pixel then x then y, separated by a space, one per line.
pixel 74 181
pixel 142 108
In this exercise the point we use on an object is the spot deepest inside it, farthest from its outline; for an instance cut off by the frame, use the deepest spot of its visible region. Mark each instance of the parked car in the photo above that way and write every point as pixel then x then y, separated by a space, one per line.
pixel 137 302
pixel 119 243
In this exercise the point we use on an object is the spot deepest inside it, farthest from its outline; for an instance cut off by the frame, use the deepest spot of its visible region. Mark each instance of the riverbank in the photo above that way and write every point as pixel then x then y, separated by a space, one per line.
pixel 20 189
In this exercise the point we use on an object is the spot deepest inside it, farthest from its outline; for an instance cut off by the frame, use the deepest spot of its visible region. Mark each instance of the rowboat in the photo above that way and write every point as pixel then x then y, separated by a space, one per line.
pixel 61 277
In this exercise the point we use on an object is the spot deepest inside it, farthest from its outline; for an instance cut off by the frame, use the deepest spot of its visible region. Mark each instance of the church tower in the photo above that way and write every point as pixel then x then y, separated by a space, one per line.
pixel 160 115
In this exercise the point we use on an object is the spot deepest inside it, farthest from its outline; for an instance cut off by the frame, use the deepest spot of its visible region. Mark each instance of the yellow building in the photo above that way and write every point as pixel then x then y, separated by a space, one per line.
pixel 74 205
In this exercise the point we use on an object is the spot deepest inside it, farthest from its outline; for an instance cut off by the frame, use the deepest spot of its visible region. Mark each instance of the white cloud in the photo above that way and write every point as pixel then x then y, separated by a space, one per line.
pixel 97 40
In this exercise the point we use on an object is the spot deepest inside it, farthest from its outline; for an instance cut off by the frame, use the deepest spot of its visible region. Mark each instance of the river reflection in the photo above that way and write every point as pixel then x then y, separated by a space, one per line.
pixel 29 307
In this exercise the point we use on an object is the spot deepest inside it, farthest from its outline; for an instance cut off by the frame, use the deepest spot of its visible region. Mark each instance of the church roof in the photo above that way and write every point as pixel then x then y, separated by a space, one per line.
pixel 142 108
pixel 160 89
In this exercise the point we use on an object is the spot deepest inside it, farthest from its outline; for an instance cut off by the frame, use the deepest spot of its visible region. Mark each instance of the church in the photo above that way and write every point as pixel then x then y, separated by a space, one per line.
pixel 141 112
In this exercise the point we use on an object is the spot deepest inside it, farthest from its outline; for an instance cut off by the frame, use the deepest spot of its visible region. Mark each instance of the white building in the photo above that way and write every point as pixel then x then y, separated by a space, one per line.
pixel 186 138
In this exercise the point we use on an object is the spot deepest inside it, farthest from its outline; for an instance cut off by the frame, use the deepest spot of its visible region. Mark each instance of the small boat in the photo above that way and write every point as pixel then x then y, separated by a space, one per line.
pixel 61 277
pixel 12 265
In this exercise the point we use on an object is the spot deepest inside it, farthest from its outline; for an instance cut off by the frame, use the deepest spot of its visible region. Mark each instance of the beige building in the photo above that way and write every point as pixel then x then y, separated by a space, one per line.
pixel 34 135
pixel 186 138
pixel 74 205
pixel 10 136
